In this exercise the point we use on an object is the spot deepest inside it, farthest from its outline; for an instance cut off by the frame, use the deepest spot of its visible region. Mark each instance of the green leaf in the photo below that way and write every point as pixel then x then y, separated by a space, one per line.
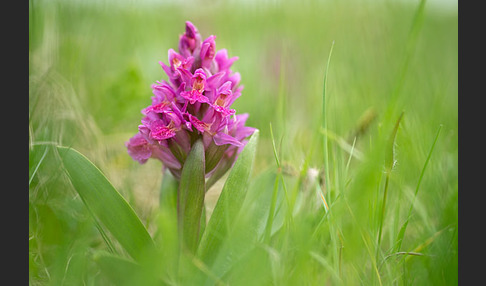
pixel 119 270
pixel 213 155
pixel 124 271
pixel 220 170
pixel 229 202
pixel 105 203
pixel 168 192
pixel 190 203
pixel 325 97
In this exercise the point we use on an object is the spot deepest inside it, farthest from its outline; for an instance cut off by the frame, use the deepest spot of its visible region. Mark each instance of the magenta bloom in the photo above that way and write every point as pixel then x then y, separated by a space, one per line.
pixel 194 103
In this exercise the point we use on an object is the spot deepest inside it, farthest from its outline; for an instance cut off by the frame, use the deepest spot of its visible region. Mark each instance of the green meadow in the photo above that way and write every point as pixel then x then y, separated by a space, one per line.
pixel 352 179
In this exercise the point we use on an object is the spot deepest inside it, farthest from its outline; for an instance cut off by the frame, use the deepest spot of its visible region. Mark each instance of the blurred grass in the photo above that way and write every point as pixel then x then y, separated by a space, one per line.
pixel 90 71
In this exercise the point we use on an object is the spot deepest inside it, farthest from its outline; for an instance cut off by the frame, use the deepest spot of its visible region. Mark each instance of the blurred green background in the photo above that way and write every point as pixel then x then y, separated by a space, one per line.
pixel 91 65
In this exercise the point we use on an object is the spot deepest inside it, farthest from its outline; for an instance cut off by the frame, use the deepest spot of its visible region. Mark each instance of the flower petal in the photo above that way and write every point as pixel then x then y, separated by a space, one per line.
pixel 198 124
pixel 223 138
pixel 222 60
pixel 160 131
pixel 190 41
pixel 208 51
pixel 139 148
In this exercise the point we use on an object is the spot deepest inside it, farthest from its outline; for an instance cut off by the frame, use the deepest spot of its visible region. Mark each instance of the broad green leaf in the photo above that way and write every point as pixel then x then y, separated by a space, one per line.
pixel 229 202
pixel 105 203
pixel 244 238
pixel 192 188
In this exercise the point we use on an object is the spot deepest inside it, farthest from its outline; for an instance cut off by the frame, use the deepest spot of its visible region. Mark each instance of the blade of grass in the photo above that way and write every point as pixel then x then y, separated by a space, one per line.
pixel 389 163
pixel 351 153
pixel 324 122
pixel 38 164
pixel 409 52
pixel 401 233
pixel 343 144
pixel 428 241
pixel 279 178
pixel 404 253
pixel 105 237
pixel 323 261
pixel 366 239
pixel 271 213
pixel 281 110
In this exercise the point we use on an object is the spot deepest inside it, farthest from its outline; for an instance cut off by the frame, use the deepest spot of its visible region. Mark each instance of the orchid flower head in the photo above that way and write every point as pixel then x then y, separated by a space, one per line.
pixel 195 102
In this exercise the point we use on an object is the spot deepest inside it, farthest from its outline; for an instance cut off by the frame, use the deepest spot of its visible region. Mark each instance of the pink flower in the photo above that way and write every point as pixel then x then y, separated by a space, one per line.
pixel 194 103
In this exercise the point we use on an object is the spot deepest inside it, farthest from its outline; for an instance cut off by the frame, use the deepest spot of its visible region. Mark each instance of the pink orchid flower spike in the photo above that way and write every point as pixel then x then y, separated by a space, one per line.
pixel 195 102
